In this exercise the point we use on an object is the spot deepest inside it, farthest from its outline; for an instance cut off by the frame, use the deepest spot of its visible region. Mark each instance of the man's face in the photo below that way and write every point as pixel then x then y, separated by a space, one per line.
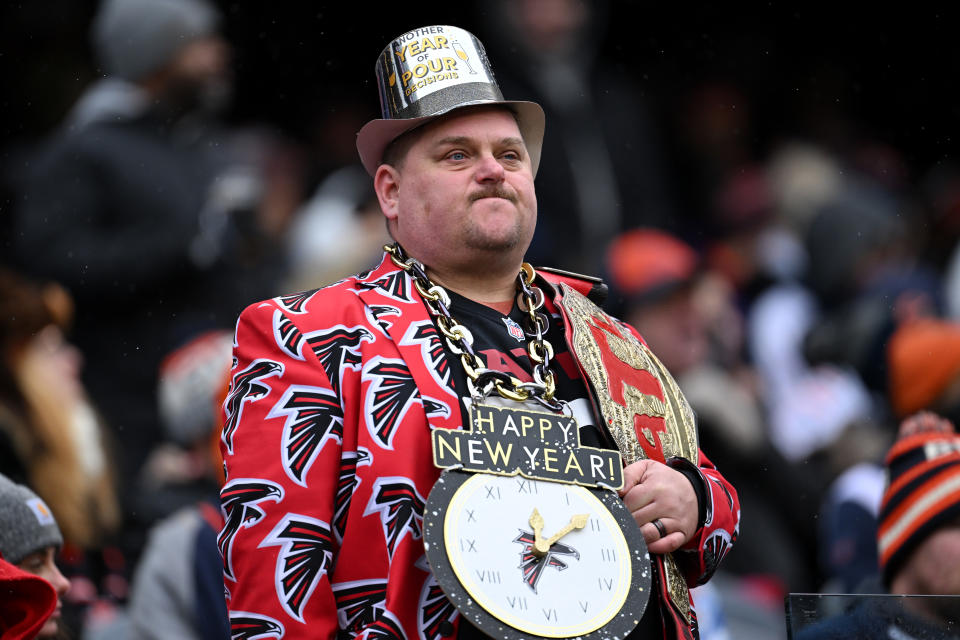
pixel 464 192
pixel 199 75
pixel 933 568
pixel 674 329
pixel 939 551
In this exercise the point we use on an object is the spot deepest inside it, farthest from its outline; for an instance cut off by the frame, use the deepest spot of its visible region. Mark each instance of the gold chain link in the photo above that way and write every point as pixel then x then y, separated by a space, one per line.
pixel 530 299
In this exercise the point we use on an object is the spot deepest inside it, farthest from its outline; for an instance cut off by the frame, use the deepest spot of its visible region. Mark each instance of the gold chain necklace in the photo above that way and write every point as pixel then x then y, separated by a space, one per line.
pixel 482 381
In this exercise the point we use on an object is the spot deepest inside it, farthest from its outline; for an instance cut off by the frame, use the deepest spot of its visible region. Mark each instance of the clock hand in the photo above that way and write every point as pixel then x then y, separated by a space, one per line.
pixel 536 522
pixel 576 522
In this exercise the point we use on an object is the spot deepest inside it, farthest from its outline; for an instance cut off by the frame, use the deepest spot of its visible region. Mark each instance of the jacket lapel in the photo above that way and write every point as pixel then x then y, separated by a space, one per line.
pixel 398 309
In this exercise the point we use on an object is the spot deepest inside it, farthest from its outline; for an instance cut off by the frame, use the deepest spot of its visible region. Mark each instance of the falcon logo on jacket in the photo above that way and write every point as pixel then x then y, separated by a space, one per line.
pixel 338 349
pixel 238 499
pixel 253 626
pixel 306 556
pixel 400 507
pixel 314 417
pixel 246 388
pixel 392 391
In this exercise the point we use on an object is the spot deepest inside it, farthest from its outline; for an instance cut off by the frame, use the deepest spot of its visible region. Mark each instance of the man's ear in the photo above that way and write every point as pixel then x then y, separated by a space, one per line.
pixel 386 182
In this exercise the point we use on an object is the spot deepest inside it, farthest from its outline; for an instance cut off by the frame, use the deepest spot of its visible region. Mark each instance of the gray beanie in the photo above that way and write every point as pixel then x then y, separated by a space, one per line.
pixel 26 522
pixel 132 38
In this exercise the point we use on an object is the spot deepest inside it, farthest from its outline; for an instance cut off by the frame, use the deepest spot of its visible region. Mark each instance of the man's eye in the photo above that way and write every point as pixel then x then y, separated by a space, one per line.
pixel 512 155
pixel 457 155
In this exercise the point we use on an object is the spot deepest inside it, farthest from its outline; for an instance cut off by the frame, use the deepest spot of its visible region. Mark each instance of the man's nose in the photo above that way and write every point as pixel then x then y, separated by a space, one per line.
pixel 489 169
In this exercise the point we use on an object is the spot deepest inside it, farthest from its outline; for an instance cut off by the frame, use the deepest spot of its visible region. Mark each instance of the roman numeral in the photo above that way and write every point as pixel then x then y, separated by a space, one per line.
pixel 471 516
pixel 517 602
pixel 493 493
pixel 584 605
pixel 527 486
pixel 595 524
pixel 468 545
pixel 605 583
pixel 550 614
pixel 488 576
pixel 608 555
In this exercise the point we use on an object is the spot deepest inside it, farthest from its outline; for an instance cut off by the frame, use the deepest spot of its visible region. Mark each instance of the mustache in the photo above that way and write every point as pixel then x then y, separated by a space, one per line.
pixel 493 192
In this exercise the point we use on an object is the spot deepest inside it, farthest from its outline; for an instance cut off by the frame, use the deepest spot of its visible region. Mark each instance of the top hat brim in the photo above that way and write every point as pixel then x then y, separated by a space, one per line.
pixel 375 136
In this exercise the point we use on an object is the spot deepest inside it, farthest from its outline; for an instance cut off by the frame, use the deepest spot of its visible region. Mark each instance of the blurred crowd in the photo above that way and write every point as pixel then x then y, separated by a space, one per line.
pixel 804 292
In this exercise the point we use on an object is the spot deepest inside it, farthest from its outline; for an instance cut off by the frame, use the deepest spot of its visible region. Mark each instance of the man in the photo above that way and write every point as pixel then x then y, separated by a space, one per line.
pixel 335 391
pixel 177 588
pixel 918 541
pixel 923 375
pixel 142 207
pixel 605 169
pixel 918 537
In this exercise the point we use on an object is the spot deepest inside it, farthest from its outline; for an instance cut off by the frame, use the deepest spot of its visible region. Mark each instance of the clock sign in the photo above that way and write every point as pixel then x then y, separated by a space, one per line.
pixel 526 558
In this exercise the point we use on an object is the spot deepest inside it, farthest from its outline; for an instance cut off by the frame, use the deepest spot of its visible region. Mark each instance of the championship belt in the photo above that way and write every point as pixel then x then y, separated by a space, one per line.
pixel 645 412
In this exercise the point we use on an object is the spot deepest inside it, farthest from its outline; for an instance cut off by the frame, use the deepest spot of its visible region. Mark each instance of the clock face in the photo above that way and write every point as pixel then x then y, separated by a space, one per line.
pixel 527 558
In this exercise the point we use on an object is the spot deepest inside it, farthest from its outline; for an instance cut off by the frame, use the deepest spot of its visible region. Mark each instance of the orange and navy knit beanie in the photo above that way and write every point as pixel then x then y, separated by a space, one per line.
pixel 923 488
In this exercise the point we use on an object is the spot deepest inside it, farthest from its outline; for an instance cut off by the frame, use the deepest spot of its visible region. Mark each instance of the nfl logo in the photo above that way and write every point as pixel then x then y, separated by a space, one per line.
pixel 513 329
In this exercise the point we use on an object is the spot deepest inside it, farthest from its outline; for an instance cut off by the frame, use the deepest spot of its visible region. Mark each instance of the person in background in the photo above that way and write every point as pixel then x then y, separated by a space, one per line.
pixel 688 316
pixel 159 221
pixel 30 540
pixel 53 439
pixel 177 589
pixel 917 541
pixel 923 368
pixel 603 168
pixel 918 538
pixel 186 468
pixel 51 435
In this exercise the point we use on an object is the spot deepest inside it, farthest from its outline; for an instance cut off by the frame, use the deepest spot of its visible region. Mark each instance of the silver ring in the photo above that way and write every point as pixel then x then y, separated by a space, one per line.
pixel 659 525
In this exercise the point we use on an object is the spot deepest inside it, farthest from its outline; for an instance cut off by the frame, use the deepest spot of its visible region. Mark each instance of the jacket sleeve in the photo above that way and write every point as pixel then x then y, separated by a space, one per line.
pixel 699 557
pixel 281 444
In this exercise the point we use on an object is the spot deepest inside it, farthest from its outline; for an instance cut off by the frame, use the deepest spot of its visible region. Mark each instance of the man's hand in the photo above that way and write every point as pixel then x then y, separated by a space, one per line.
pixel 653 491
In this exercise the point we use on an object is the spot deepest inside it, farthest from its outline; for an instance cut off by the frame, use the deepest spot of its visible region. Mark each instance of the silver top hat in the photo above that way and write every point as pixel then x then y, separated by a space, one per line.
pixel 429 72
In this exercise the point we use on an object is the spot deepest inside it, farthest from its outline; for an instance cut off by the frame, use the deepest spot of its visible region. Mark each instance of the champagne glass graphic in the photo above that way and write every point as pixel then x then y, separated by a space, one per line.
pixel 458 49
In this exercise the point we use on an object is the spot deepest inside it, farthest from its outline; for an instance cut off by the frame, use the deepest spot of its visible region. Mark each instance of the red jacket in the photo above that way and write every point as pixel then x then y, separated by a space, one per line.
pixel 328 465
